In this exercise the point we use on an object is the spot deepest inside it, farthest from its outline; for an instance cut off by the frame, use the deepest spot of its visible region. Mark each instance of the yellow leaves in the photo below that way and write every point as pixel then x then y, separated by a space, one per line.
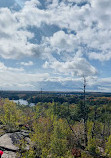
pixel 9 112
pixel 108 146
pixel 11 115
pixel 45 152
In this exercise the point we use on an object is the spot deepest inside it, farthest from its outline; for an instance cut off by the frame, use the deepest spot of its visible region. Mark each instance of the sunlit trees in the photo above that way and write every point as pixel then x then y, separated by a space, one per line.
pixel 59 139
pixel 10 114
pixel 57 129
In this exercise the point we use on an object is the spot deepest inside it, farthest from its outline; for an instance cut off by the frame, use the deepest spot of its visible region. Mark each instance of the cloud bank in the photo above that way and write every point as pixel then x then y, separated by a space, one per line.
pixel 71 34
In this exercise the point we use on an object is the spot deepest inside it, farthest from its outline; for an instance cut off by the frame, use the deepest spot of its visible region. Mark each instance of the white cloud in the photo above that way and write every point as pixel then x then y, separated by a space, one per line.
pixel 88 21
pixel 102 12
pixel 78 66
pixel 17 77
pixel 62 42
pixel 15 39
pixel 31 15
pixel 100 56
pixel 30 63
pixel 64 51
pixel 4 68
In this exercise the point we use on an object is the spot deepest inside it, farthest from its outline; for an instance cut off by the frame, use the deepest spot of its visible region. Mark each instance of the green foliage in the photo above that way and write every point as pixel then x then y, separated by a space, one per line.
pixel 58 146
pixel 10 114
pixel 86 155
pixel 93 147
pixel 57 128
pixel 108 147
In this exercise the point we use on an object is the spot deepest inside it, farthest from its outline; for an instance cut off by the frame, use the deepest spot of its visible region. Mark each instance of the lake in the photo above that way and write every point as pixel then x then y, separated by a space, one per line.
pixel 23 102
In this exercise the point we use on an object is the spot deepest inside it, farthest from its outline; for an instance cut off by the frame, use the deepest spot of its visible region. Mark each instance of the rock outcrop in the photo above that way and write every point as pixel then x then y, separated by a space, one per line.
pixel 9 143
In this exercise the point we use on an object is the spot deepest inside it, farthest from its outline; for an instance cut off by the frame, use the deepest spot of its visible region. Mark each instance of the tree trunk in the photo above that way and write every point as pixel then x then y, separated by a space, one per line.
pixel 85 115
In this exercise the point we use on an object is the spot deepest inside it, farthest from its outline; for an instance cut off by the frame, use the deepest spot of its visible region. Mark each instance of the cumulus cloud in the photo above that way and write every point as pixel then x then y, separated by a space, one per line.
pixel 78 66
pixel 83 31
pixel 14 40
pixel 90 24
pixel 63 42
pixel 102 12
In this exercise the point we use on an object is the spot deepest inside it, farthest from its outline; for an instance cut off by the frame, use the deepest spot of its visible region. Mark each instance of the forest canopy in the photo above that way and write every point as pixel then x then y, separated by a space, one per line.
pixel 57 130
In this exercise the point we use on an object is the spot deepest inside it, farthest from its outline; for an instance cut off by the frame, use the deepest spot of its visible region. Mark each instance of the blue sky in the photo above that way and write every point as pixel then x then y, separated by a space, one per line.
pixel 52 44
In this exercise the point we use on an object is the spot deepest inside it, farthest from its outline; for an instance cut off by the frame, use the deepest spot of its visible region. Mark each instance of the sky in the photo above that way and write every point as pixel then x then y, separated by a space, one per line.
pixel 52 44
